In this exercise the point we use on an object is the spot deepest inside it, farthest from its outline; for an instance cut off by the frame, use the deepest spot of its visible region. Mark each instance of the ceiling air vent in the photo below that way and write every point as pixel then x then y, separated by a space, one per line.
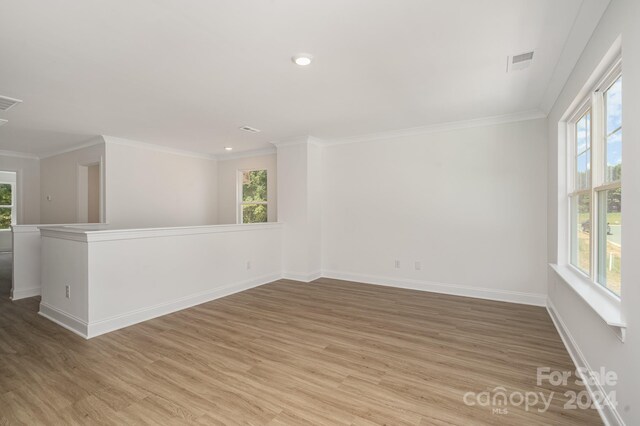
pixel 519 62
pixel 249 129
pixel 3 122
pixel 7 103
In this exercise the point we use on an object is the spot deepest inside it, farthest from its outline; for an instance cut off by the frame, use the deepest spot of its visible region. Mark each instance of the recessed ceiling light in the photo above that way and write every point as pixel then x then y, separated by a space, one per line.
pixel 228 148
pixel 302 59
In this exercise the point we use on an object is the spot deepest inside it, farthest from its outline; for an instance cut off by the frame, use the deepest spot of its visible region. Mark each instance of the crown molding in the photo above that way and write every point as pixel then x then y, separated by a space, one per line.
pixel 441 127
pixel 302 140
pixel 291 142
pixel 105 139
pixel 158 148
pixel 93 142
pixel 307 140
pixel 246 154
pixel 16 154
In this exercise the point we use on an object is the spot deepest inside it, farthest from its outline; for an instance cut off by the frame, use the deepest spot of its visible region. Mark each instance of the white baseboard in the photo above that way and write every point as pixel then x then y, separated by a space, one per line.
pixel 93 329
pixel 305 278
pixel 70 322
pixel 434 287
pixel 608 412
pixel 111 324
pixel 24 293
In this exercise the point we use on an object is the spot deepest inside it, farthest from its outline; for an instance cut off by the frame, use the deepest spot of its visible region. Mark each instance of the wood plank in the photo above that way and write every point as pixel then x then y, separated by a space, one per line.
pixel 331 352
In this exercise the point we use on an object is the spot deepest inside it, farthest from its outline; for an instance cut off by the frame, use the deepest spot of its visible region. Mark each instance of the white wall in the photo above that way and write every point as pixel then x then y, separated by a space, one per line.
pixel 469 205
pixel 119 278
pixel 227 185
pixel 93 194
pixel 59 181
pixel 27 250
pixel 299 208
pixel 594 339
pixel 149 187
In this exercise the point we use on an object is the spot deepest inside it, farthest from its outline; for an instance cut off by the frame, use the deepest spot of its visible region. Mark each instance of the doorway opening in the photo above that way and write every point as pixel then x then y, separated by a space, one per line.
pixel 90 193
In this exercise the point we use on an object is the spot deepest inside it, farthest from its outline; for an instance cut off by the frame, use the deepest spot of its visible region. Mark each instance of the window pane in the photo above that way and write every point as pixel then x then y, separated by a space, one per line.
pixel 613 131
pixel 5 217
pixel 610 239
pixel 583 170
pixel 613 99
pixel 254 185
pixel 5 194
pixel 580 232
pixel 614 156
pixel 254 213
pixel 583 133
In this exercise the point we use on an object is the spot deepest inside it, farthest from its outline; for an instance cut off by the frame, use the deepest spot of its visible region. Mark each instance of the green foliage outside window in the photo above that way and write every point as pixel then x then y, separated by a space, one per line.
pixel 254 213
pixel 5 194
pixel 615 172
pixel 5 200
pixel 254 192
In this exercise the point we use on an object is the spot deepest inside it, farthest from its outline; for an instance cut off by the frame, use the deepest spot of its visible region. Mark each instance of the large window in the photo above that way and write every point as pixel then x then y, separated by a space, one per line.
pixel 7 205
pixel 595 190
pixel 252 192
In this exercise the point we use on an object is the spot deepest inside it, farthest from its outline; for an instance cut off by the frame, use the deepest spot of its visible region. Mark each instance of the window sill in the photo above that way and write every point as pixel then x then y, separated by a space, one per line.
pixel 607 306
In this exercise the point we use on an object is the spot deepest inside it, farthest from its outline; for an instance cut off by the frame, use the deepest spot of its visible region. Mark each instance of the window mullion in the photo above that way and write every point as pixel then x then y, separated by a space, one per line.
pixel 597 174
pixel 597 141
pixel 611 185
pixel 593 235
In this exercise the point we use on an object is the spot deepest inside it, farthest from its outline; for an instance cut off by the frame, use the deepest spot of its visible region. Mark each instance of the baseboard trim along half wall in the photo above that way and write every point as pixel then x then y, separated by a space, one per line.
pixel 63 319
pixel 94 329
pixel 608 412
pixel 24 293
pixel 434 287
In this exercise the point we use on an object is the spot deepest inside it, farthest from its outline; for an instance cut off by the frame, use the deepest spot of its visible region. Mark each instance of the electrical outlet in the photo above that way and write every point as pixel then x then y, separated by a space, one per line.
pixel 397 264
pixel 418 265
pixel 67 291
pixel 248 264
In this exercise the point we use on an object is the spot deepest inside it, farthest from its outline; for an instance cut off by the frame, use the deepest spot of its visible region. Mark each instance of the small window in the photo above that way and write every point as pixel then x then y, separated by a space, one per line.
pixel 7 205
pixel 253 196
pixel 595 188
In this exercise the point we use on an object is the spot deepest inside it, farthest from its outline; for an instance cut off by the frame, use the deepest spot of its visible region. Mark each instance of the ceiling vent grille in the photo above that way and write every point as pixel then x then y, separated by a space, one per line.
pixel 7 103
pixel 522 57
pixel 249 129
pixel 3 122
pixel 519 62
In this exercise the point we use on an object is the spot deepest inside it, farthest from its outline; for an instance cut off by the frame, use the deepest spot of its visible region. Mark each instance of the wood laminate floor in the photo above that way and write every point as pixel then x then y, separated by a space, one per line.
pixel 330 352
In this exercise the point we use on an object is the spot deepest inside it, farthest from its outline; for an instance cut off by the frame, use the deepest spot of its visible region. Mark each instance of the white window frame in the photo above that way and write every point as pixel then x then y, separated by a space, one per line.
pixel 13 204
pixel 595 103
pixel 239 201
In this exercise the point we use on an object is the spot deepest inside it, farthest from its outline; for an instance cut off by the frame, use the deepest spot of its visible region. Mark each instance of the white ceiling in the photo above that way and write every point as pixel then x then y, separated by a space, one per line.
pixel 188 74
